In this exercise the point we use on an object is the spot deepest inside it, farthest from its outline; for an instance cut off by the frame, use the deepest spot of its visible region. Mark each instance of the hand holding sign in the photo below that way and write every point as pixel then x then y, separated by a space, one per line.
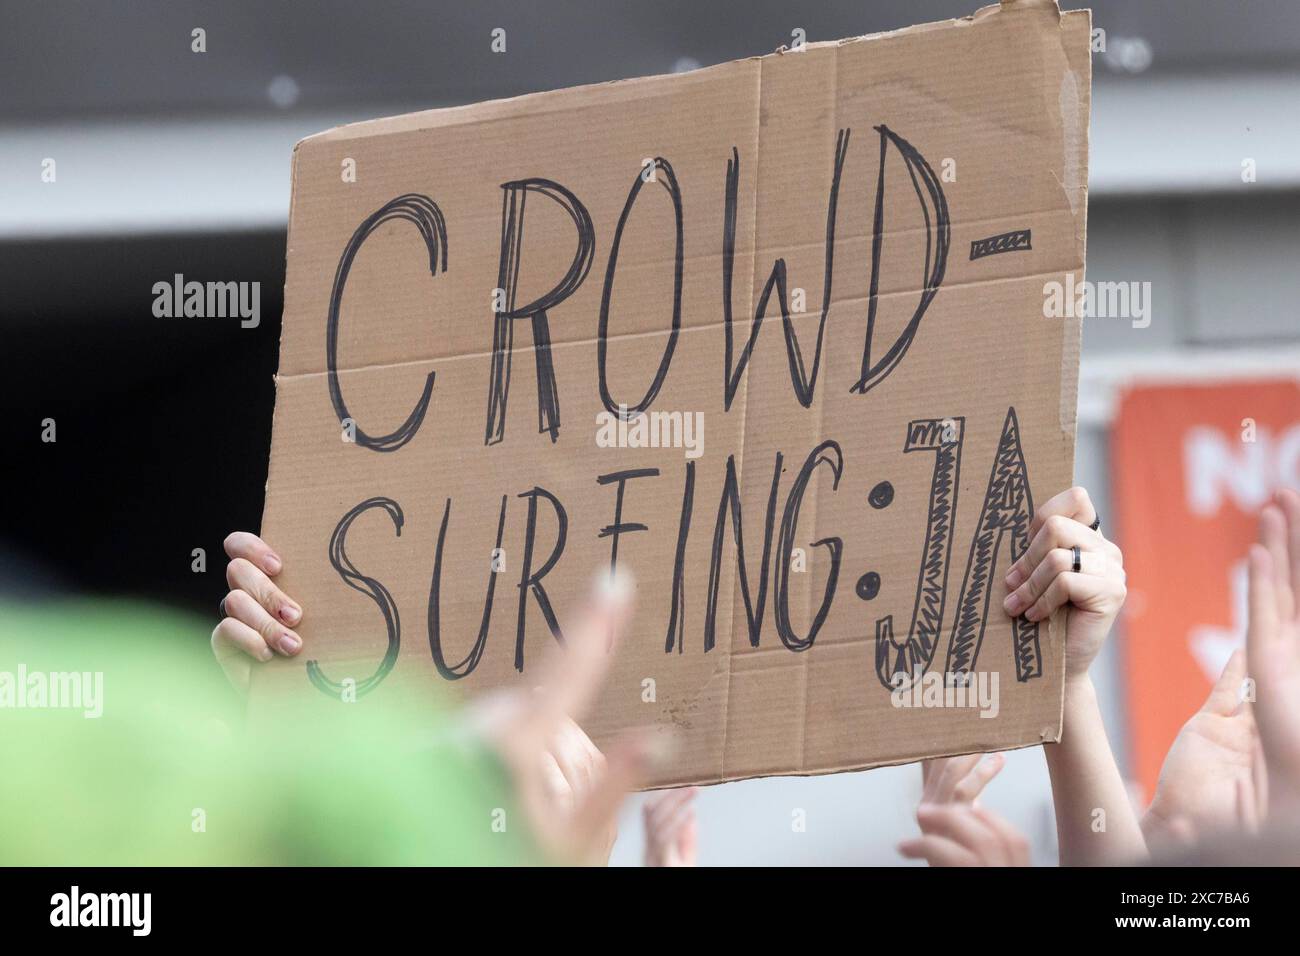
pixel 255 614
pixel 569 789
pixel 1046 576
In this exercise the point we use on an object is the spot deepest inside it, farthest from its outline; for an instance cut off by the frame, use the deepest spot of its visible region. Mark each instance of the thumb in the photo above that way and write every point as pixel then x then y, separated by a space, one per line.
pixel 1226 693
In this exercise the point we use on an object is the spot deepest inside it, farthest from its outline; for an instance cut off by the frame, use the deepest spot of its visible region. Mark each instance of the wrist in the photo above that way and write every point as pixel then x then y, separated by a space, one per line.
pixel 1080 710
pixel 1079 690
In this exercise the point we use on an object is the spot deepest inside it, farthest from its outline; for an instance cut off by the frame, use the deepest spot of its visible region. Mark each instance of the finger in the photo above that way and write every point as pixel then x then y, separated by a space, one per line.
pixel 944 778
pixel 582 740
pixel 973 784
pixel 1016 846
pixel 1057 531
pixel 668 826
pixel 666 804
pixel 1259 774
pixel 1263 624
pixel 244 575
pixel 233 644
pixel 243 607
pixel 1181 830
pixel 575 761
pixel 1073 503
pixel 627 764
pixel 573 676
pixel 1088 592
pixel 556 785
pixel 1056 561
pixel 1226 692
pixel 245 544
pixel 931 773
pixel 1289 501
pixel 958 823
pixel 928 770
pixel 1246 818
pixel 1273 536
pixel 937 851
pixel 688 838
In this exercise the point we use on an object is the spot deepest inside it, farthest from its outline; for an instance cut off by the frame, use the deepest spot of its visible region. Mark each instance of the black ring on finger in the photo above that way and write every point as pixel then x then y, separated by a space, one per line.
pixel 221 608
pixel 1096 523
pixel 1077 564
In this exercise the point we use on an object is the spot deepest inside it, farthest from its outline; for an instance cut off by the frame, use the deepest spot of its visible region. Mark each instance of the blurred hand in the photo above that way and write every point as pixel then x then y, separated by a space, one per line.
pixel 258 617
pixel 671 832
pixel 572 768
pixel 1273 639
pixel 1042 580
pixel 569 792
pixel 1213 778
pixel 958 779
pixel 961 834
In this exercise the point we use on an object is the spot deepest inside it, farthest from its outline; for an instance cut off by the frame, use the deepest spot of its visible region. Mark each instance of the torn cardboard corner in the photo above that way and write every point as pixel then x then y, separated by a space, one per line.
pixel 770 335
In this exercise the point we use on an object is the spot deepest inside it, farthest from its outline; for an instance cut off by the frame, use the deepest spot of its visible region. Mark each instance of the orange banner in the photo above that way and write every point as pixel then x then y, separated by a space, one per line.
pixel 1192 466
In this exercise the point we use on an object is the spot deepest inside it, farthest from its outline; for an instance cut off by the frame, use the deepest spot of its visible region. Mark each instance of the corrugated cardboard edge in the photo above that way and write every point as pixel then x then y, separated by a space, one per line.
pixel 539 102
pixel 275 378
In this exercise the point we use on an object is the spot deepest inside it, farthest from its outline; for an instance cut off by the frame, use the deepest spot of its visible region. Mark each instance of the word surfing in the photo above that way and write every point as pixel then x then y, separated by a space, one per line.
pixel 1005 512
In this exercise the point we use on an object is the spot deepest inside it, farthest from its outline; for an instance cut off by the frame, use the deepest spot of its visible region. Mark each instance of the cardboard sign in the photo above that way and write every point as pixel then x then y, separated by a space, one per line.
pixel 770 335
pixel 1198 463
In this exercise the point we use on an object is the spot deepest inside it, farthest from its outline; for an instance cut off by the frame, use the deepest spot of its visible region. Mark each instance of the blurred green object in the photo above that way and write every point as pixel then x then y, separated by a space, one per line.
pixel 168 776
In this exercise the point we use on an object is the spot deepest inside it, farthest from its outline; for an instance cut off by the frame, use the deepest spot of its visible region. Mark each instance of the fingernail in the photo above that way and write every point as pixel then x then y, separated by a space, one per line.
pixel 290 614
pixel 1013 578
pixel 272 564
pixel 1032 614
pixel 289 644
pixel 1013 603
pixel 265 654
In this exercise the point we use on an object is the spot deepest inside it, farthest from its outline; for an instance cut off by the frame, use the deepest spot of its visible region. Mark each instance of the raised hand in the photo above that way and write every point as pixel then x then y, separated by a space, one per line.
pixel 962 834
pixel 568 790
pixel 958 779
pixel 671 832
pixel 1273 640
pixel 1213 778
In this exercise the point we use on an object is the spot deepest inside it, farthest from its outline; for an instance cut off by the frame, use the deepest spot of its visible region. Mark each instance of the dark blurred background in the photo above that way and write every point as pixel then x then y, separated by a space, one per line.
pixel 169 161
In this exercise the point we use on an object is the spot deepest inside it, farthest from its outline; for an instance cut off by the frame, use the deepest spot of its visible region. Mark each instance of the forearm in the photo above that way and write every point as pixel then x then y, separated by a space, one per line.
pixel 1086 780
